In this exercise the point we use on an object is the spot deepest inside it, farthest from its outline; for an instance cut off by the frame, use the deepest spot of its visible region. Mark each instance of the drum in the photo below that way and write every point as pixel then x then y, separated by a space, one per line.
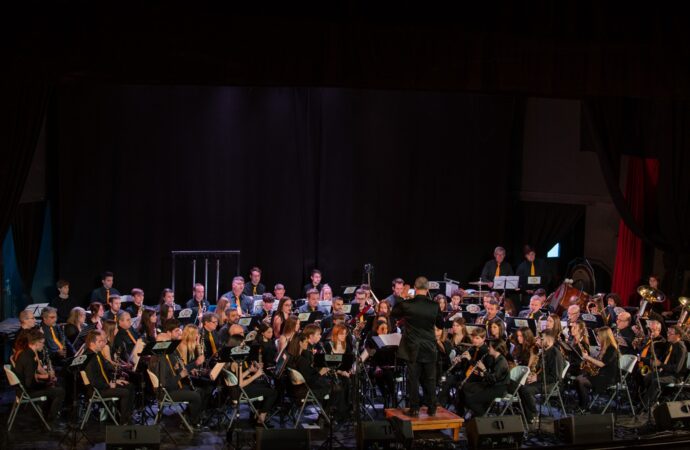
pixel 559 300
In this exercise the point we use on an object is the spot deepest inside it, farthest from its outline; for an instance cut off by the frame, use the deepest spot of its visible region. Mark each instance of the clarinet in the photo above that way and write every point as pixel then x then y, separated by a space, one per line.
pixel 474 369
pixel 181 366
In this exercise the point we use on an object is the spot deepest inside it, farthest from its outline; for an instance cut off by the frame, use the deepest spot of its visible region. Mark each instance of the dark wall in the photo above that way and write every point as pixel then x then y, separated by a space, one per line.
pixel 412 182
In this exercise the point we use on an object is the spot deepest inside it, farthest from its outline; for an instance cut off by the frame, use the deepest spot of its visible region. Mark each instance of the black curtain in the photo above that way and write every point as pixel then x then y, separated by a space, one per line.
pixel 25 96
pixel 657 129
pixel 294 177
pixel 27 230
pixel 545 224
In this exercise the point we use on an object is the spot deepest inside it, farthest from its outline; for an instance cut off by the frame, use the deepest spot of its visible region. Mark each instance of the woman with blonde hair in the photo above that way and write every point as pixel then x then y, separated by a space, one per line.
pixel 189 348
pixel 598 373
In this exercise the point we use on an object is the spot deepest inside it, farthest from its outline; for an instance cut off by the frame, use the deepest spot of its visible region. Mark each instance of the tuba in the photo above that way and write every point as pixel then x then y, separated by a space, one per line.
pixel 685 304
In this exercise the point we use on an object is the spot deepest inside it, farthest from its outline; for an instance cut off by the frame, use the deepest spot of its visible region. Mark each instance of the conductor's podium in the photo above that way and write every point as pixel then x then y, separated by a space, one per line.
pixel 443 420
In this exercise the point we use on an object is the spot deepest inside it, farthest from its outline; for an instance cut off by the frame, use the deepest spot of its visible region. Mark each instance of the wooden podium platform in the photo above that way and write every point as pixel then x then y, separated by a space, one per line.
pixel 443 420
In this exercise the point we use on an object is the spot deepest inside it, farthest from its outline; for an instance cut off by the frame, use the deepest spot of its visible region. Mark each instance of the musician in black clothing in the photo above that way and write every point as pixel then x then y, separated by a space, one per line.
pixel 63 302
pixel 496 267
pixel 137 308
pixel 494 379
pixel 35 378
pixel 547 372
pixel 101 376
pixel 172 371
pixel 418 345
pixel 601 372
pixel 115 308
pixel 209 335
pixel 532 267
pixel 56 344
pixel 301 354
pixel 198 301
pixel 103 293
pixel 534 310
pixel 669 369
pixel 266 312
pixel 254 287
pixel 315 282
pixel 126 337
pixel 624 333
pixel 396 296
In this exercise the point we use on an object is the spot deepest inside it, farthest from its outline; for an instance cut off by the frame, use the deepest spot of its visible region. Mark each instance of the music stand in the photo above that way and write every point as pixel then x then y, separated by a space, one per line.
pixel 36 309
pixel 160 349
pixel 310 317
pixel 75 367
pixel 513 323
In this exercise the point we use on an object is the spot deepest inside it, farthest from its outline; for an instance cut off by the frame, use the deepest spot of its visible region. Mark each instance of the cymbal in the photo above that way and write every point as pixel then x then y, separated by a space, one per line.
pixel 479 283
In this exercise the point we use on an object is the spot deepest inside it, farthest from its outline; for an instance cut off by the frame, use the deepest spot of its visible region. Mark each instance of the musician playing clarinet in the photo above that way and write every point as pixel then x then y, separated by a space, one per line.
pixel 494 377
pixel 418 345
pixel 669 369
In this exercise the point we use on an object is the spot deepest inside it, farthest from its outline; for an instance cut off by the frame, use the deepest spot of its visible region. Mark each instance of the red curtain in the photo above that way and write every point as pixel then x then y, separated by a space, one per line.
pixel 640 193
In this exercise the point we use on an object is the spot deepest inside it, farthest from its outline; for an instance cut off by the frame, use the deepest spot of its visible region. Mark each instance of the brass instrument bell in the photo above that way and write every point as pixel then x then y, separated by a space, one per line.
pixel 650 294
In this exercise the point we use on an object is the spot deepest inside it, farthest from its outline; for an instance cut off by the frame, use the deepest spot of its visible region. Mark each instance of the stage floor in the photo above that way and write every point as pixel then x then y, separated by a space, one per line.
pixel 28 433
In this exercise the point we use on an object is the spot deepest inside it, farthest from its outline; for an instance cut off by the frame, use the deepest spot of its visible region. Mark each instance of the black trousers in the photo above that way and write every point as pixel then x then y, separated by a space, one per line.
pixel 263 389
pixel 423 373
pixel 193 398
pixel 125 394
pixel 478 396
pixel 527 395
pixel 55 395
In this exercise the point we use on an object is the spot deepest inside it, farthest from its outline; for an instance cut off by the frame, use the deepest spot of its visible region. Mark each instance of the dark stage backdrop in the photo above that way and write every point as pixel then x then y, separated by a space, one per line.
pixel 296 178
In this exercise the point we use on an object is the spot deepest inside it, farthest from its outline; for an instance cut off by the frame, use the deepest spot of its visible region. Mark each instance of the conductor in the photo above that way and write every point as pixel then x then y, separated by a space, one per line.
pixel 418 345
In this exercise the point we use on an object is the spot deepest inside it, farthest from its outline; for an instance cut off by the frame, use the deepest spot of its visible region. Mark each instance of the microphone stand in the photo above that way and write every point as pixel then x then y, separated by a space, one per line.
pixel 655 372
pixel 542 356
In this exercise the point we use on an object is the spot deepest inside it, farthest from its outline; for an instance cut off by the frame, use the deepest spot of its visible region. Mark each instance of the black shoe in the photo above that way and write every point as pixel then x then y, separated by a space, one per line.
pixel 412 412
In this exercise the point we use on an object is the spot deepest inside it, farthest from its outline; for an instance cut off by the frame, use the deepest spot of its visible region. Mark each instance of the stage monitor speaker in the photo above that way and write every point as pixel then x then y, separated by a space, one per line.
pixel 495 432
pixel 296 439
pixel 132 437
pixel 668 414
pixel 376 434
pixel 588 429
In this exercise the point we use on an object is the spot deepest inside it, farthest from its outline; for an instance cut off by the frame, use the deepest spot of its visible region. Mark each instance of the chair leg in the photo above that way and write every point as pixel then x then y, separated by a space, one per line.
pixel 301 411
pixel 110 413
pixel 40 414
pixel 13 415
pixel 186 424
pixel 235 413
pixel 606 407
pixel 632 406
pixel 86 415
pixel 560 399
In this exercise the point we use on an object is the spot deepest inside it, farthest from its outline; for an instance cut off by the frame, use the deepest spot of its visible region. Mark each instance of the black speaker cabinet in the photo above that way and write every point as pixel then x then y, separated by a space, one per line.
pixel 589 429
pixel 296 439
pixel 131 437
pixel 495 432
pixel 378 434
pixel 668 414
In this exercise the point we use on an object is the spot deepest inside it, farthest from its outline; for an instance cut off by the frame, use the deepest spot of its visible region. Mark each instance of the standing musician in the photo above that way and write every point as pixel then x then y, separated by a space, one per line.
pixel 496 267
pixel 418 345
pixel 171 372
pixel 532 267
pixel 254 287
pixel 547 371
pixel 63 302
pixel 315 283
pixel 598 373
pixel 103 293
pixel 55 342
pixel 669 369
pixel 101 375
pixel 36 379
pixel 209 335
pixel 534 310
pixel 494 377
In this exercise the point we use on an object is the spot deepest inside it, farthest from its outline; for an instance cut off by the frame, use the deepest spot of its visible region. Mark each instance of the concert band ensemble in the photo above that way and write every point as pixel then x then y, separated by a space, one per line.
pixel 455 349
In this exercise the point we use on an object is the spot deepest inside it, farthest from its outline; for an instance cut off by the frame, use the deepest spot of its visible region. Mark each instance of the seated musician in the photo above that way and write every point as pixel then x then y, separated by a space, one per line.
pixel 624 333
pixel 382 310
pixel 670 369
pixel 55 342
pixel 101 373
pixel 443 349
pixel 598 373
pixel 221 306
pixel 525 347
pixel 493 379
pixel 326 293
pixel 167 297
pixel 496 329
pixel 468 360
pixel 147 325
pixel 491 311
pixel 97 312
pixel 553 324
pixel 110 330
pixel 36 378
pixel 579 344
pixel 292 327
pixel 115 308
pixel 171 371
pixel 382 372
pixel 458 341
pixel 320 381
pixel 237 298
pixel 336 308
pixel 281 315
pixel 459 335
pixel 546 372
pixel 572 314
pixel 27 322
pixel 198 301
pixel 456 300
pixel 137 308
pixel 442 302
pixel 397 286
pixel 192 357
pixel 651 348
pixel 165 313
pixel 126 337
pixel 250 375
pixel 340 343
pixel 268 345
pixel 76 323
pixel 312 304
pixel 266 313
pixel 534 310
pixel 279 291
pixel 609 314
pixel 232 317
pixel 365 307
pixel 209 335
